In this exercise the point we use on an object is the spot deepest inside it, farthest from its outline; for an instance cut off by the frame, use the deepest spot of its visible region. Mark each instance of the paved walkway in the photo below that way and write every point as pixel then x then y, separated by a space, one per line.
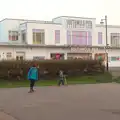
pixel 4 116
pixel 79 102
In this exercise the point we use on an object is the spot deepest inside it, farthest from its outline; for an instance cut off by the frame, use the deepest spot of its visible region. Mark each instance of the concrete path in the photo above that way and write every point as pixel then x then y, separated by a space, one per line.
pixel 79 102
pixel 4 116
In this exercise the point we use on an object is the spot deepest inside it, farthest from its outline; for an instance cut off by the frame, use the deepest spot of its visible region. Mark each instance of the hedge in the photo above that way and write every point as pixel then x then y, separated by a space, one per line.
pixel 19 69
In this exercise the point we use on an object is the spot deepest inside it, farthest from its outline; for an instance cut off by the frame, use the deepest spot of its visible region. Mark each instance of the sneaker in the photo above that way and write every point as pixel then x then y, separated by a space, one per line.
pixel 30 91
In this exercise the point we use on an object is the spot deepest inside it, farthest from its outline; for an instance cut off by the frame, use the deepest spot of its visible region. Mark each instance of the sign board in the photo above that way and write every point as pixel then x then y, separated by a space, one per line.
pixel 81 50
pixel 38 57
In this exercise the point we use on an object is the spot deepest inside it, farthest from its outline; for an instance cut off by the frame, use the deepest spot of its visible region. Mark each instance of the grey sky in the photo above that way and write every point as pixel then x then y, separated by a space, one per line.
pixel 48 9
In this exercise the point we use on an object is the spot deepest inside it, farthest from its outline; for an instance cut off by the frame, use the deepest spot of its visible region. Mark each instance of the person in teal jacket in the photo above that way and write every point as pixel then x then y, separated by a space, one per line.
pixel 33 77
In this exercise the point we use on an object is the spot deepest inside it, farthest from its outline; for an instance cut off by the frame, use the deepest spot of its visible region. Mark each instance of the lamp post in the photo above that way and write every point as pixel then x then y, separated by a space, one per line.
pixel 106 46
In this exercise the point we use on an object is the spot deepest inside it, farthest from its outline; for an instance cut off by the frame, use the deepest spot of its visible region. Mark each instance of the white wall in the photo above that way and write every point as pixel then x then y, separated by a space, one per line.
pixel 30 52
pixel 114 53
pixel 4 50
pixel 13 24
pixel 63 19
pixel 6 25
pixel 49 33
pixel 101 28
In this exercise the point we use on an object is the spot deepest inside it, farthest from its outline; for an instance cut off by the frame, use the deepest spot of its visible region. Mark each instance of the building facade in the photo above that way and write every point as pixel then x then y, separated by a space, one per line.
pixel 62 38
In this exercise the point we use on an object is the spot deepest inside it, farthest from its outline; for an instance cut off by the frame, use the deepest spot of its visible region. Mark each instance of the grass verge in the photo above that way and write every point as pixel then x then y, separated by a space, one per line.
pixel 104 78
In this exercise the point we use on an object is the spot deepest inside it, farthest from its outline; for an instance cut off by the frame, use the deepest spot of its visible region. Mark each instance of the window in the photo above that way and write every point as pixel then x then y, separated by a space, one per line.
pixel 115 39
pixel 57 36
pixel 115 58
pixel 89 24
pixel 23 36
pixel 81 38
pixel 69 37
pixel 99 37
pixel 20 58
pixel 9 55
pixel 79 24
pixel 38 36
pixel 13 35
pixel 77 37
pixel 89 36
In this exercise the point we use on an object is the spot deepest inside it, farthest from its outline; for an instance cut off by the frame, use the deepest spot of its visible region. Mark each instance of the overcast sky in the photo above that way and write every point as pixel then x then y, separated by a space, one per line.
pixel 48 9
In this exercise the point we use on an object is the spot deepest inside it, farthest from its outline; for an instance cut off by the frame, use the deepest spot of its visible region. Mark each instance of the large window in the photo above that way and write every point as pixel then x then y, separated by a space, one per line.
pixel 13 35
pixel 57 36
pixel 115 39
pixel 38 36
pixel 81 38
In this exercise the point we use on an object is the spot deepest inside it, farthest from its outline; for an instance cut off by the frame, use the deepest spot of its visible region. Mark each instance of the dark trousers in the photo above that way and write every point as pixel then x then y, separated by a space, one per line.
pixel 32 83
pixel 61 81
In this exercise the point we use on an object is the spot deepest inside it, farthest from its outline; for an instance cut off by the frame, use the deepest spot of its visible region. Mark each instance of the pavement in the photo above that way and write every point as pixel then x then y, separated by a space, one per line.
pixel 77 102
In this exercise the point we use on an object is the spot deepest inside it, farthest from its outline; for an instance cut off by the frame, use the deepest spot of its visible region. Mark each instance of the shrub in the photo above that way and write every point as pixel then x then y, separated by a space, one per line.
pixel 72 67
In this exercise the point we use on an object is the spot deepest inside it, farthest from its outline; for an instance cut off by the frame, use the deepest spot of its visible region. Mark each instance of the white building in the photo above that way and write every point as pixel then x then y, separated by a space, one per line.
pixel 66 36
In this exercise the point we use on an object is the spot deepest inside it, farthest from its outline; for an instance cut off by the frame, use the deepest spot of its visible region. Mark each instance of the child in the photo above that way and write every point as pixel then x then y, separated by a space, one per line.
pixel 33 77
pixel 61 77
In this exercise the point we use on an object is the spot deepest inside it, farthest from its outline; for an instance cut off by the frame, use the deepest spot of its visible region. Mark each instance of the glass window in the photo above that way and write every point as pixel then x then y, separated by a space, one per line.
pixel 13 35
pixel 115 39
pixel 23 36
pixel 9 55
pixel 99 37
pixel 38 36
pixel 113 58
pixel 57 36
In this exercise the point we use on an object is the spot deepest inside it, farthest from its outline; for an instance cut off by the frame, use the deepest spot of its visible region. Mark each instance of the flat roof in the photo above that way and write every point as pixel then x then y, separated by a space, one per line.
pixel 51 22
pixel 43 22
pixel 23 20
pixel 73 17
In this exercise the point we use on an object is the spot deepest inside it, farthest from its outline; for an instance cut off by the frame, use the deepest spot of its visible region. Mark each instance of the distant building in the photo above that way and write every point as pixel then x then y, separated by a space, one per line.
pixel 62 38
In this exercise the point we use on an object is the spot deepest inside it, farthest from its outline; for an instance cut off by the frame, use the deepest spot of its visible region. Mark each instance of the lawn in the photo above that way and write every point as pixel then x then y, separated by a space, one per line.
pixel 76 80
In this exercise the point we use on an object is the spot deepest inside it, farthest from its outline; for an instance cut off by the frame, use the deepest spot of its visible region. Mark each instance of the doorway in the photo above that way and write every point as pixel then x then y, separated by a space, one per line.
pixel 20 55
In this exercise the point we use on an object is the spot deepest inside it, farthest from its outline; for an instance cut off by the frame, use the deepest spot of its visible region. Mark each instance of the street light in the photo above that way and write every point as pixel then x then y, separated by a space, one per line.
pixel 106 46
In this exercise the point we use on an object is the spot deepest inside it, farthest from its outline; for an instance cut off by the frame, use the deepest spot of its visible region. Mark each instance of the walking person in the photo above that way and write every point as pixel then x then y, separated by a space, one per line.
pixel 32 77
